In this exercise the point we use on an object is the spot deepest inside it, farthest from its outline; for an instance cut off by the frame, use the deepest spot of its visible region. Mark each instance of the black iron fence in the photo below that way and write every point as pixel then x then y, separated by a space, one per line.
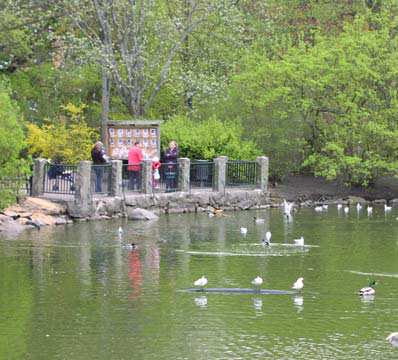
pixel 132 177
pixel 16 186
pixel 59 178
pixel 201 174
pixel 242 173
pixel 168 177
pixel 101 179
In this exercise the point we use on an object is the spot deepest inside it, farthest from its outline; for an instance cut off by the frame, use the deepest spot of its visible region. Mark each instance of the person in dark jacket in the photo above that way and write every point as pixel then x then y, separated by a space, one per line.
pixel 170 157
pixel 99 158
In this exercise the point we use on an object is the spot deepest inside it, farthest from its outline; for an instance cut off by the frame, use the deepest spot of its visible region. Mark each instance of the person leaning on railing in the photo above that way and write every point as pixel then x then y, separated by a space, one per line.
pixel 99 157
pixel 171 156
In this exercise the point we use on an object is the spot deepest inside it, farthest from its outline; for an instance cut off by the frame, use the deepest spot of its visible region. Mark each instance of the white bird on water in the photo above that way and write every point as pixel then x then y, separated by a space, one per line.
pixel 318 208
pixel 299 242
pixel 287 207
pixel 258 220
pixel 120 231
pixel 201 282
pixel 346 209
pixel 325 206
pixel 387 208
pixel 267 240
pixel 359 207
pixel 370 210
pixel 258 281
pixel 299 284
pixel 243 230
pixel 393 339
pixel 339 206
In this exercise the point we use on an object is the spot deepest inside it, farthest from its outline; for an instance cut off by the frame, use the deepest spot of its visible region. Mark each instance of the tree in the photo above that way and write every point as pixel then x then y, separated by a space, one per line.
pixel 138 43
pixel 12 166
pixel 339 96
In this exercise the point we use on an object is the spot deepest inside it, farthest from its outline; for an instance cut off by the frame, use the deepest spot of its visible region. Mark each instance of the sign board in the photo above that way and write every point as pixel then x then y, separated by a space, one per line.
pixel 121 136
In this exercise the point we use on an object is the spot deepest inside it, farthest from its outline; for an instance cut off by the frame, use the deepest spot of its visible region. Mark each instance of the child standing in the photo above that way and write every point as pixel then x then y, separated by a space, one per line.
pixel 155 172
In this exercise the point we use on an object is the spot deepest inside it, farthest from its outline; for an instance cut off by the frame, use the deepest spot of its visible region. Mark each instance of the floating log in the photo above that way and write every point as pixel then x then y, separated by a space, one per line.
pixel 242 291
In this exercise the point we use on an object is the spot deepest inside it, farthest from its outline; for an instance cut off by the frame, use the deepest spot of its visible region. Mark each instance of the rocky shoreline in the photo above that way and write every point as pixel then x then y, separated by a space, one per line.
pixel 35 213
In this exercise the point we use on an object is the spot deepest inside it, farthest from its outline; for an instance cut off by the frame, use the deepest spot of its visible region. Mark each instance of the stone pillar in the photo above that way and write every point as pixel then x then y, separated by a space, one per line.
pixel 262 181
pixel 83 204
pixel 184 166
pixel 220 173
pixel 146 185
pixel 116 178
pixel 38 177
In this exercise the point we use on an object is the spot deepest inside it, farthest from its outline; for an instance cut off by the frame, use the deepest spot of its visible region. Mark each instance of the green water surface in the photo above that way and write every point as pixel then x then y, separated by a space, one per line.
pixel 75 292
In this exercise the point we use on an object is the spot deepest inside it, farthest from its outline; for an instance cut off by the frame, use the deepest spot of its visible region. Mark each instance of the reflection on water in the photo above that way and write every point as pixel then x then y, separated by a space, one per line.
pixel 78 290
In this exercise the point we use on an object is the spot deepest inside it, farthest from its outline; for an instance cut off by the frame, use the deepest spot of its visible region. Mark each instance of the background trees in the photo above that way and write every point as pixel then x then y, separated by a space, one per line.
pixel 310 83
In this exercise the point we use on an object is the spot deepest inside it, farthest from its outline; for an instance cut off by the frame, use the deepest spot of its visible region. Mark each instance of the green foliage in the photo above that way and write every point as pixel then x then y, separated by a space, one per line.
pixel 208 139
pixel 67 140
pixel 11 145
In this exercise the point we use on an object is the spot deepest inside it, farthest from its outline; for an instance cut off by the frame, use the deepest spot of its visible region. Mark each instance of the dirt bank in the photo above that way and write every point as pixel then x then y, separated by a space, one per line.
pixel 300 188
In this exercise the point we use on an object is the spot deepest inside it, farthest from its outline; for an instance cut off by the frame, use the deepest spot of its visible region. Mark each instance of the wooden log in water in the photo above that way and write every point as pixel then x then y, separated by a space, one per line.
pixel 243 291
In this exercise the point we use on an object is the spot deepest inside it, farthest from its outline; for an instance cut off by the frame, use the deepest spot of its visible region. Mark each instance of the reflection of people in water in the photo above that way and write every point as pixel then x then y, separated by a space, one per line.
pixel 135 274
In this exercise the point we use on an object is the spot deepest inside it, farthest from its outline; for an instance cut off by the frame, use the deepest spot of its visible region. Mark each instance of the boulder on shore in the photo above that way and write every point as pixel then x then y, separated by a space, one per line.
pixel 140 214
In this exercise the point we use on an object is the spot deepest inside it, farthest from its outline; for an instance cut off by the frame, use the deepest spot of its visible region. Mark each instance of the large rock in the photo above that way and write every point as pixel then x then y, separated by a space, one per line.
pixel 45 206
pixel 42 219
pixel 11 228
pixel 140 214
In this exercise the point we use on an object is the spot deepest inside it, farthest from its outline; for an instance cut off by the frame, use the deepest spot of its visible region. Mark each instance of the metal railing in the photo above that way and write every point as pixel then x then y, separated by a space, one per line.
pixel 101 179
pixel 242 173
pixel 168 181
pixel 201 174
pixel 17 185
pixel 132 177
pixel 59 178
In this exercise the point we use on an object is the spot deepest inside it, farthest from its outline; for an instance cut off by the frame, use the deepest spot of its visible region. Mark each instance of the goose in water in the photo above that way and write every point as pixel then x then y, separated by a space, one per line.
pixel 267 240
pixel 339 206
pixel 387 208
pixel 299 284
pixel 318 208
pixel 346 209
pixel 393 339
pixel 359 207
pixel 201 282
pixel 369 290
pixel 299 242
pixel 243 230
pixel 258 281
pixel 258 220
pixel 120 231
pixel 325 206
pixel 370 210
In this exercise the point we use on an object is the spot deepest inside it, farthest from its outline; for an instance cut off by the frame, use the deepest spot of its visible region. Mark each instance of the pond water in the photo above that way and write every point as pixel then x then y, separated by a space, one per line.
pixel 75 292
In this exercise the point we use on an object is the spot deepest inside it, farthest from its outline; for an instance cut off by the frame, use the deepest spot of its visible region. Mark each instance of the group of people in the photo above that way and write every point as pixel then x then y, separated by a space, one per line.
pixel 135 157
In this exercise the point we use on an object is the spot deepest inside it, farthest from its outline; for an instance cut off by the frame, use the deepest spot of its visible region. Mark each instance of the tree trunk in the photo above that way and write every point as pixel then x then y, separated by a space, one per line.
pixel 106 87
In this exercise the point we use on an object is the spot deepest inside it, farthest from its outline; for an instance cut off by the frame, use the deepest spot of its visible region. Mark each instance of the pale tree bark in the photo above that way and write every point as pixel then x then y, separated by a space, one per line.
pixel 137 47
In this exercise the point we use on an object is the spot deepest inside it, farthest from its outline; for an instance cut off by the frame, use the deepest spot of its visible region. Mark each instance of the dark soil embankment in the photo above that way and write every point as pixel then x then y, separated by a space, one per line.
pixel 300 188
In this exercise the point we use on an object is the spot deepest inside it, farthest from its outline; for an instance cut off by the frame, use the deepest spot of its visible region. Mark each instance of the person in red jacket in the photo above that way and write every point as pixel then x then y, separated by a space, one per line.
pixel 135 157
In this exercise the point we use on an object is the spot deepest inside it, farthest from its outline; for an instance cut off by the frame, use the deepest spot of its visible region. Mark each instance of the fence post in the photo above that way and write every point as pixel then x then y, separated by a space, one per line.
pixel 146 177
pixel 83 196
pixel 184 165
pixel 262 181
pixel 38 177
pixel 220 173
pixel 116 178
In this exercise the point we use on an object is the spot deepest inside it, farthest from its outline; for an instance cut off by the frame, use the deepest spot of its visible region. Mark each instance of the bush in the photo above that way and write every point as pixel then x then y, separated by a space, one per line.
pixel 69 140
pixel 208 139
pixel 11 145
